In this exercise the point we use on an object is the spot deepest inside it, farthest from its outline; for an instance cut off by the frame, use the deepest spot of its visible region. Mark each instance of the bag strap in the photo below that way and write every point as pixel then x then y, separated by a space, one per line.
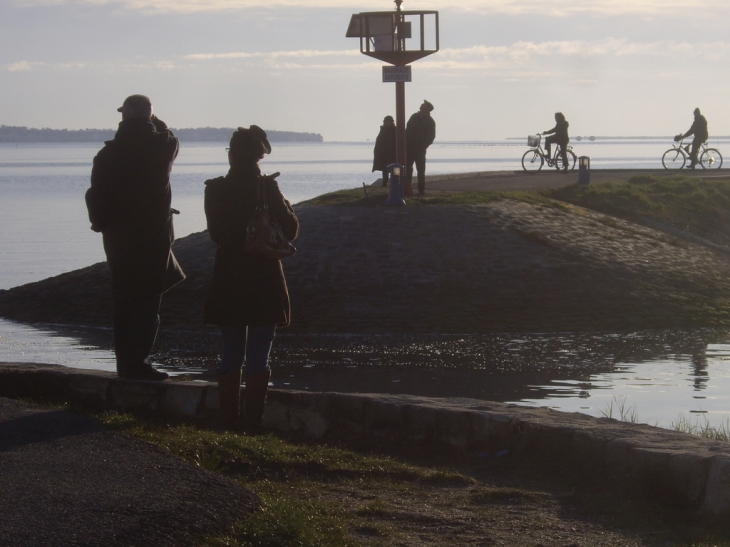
pixel 261 201
pixel 261 204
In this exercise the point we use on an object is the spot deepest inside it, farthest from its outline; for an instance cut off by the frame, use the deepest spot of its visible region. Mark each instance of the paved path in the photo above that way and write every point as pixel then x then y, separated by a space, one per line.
pixel 66 481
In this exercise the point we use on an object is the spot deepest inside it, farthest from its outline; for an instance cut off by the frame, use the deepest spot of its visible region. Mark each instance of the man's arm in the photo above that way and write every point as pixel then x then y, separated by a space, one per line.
pixel 430 132
pixel 692 130
pixel 98 200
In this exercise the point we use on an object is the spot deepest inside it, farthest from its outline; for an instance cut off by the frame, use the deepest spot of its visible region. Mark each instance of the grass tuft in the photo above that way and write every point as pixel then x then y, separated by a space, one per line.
pixel 623 413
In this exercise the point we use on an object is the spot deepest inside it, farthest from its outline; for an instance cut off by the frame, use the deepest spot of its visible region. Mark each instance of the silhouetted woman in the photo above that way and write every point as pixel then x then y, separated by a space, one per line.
pixel 384 151
pixel 559 136
pixel 247 296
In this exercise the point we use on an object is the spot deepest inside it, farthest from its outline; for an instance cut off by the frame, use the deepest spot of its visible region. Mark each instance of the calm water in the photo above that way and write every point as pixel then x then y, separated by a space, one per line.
pixel 45 232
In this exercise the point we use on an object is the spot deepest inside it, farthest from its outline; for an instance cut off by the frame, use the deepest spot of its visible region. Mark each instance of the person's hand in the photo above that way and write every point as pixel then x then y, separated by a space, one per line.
pixel 677 138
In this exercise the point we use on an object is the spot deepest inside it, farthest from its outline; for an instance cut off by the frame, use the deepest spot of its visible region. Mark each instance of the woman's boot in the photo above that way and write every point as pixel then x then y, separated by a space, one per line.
pixel 229 396
pixel 254 398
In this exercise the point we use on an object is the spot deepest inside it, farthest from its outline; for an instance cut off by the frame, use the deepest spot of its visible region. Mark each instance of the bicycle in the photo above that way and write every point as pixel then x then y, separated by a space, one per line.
pixel 676 157
pixel 533 159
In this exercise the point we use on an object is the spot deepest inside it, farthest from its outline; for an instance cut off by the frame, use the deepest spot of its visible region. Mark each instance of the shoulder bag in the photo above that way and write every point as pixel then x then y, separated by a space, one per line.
pixel 263 233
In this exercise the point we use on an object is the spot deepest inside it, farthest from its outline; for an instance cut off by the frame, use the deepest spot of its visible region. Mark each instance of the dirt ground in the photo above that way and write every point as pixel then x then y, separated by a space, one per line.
pixel 518 503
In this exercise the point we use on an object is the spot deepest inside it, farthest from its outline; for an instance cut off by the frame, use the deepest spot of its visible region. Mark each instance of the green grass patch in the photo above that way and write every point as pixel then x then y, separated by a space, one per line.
pixel 293 482
pixel 282 520
pixel 701 206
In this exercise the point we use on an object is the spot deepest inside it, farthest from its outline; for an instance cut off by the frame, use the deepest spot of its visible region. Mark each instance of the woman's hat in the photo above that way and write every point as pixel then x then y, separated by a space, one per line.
pixel 242 136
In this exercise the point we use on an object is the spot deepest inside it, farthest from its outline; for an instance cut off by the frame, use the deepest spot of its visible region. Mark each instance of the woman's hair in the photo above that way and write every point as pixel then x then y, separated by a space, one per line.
pixel 560 116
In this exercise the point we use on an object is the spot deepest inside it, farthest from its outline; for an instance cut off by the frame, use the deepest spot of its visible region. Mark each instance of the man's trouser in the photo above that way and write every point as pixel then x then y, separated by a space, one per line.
pixel 420 159
pixel 136 321
pixel 696 143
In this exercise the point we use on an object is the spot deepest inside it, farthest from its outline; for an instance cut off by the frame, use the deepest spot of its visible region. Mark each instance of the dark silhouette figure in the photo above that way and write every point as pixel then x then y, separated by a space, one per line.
pixel 559 136
pixel 420 134
pixel 129 203
pixel 247 297
pixel 385 148
pixel 699 130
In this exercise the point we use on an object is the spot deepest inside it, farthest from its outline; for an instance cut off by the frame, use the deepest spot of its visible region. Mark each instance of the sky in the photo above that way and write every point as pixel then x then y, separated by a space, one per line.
pixel 613 67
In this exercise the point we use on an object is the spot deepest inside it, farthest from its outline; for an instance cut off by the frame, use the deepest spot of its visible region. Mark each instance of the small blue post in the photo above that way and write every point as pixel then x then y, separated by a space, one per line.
pixel 396 185
pixel 584 170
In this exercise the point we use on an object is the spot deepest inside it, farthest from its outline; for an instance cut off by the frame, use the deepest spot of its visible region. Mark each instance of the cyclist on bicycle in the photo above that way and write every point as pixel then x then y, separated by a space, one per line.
pixel 559 136
pixel 699 130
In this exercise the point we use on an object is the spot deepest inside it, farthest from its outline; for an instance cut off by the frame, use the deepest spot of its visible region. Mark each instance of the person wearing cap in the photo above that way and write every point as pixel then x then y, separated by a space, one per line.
pixel 420 134
pixel 559 136
pixel 247 296
pixel 129 203
pixel 699 130
pixel 384 151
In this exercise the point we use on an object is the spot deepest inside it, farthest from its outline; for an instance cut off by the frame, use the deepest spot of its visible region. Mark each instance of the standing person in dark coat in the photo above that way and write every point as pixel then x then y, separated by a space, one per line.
pixel 129 203
pixel 247 297
pixel 420 134
pixel 699 130
pixel 559 136
pixel 384 152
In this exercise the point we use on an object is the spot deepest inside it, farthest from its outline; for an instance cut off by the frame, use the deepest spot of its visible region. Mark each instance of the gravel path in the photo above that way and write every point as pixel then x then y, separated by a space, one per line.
pixel 66 481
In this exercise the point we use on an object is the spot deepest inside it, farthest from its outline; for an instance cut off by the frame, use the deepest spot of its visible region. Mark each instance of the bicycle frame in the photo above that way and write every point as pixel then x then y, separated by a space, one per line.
pixel 684 150
pixel 555 156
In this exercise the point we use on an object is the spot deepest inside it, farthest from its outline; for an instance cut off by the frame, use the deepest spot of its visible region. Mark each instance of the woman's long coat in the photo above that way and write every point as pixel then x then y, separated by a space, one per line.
pixel 245 289
pixel 384 151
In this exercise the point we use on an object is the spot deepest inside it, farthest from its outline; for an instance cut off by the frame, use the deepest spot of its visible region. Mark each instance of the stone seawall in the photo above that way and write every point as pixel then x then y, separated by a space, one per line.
pixel 504 266
pixel 676 467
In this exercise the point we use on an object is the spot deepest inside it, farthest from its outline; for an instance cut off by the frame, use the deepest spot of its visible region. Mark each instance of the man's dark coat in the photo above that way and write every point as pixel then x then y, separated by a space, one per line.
pixel 420 134
pixel 245 289
pixel 129 203
pixel 698 129
pixel 384 152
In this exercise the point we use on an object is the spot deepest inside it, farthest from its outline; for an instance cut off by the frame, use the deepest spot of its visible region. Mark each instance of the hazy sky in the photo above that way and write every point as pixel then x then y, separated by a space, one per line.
pixel 614 67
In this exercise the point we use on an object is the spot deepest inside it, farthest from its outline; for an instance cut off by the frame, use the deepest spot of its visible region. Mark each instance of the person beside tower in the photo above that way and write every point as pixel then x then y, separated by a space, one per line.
pixel 420 134
pixel 384 153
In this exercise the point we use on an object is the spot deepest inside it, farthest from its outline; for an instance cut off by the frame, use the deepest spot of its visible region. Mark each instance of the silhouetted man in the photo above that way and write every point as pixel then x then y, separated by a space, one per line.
pixel 420 133
pixel 129 203
pixel 699 130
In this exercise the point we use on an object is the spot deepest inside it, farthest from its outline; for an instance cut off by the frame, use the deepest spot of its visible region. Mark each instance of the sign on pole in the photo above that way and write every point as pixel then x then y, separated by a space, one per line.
pixel 397 73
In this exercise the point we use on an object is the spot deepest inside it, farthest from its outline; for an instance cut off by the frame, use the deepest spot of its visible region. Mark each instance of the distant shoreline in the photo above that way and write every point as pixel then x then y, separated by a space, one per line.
pixel 21 134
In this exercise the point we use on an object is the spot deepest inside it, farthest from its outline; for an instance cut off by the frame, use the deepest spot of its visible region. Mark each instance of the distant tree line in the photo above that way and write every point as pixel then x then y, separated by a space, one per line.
pixel 17 134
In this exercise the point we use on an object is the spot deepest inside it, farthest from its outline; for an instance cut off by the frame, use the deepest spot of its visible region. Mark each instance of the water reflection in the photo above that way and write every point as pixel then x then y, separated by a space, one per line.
pixel 658 374
pixel 699 362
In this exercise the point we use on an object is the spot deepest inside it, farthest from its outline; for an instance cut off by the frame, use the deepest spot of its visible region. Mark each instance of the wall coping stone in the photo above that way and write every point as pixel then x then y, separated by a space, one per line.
pixel 684 468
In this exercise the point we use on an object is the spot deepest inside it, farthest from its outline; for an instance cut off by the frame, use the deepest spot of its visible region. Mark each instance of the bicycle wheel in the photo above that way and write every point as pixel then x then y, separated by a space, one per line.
pixel 711 159
pixel 532 160
pixel 572 158
pixel 673 159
